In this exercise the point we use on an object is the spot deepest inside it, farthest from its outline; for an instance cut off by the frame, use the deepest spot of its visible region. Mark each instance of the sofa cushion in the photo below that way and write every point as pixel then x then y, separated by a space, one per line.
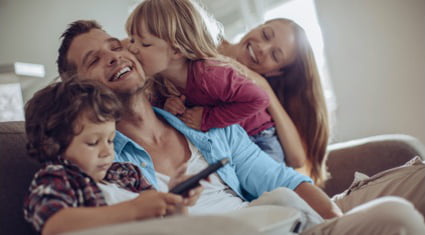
pixel 369 156
pixel 16 172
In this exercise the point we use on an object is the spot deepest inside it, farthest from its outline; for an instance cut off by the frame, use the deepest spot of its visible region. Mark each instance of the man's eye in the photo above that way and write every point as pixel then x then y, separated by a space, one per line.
pixel 94 61
pixel 266 37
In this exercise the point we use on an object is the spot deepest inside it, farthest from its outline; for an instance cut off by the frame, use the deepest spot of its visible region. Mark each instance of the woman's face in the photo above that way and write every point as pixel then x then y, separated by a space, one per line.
pixel 268 48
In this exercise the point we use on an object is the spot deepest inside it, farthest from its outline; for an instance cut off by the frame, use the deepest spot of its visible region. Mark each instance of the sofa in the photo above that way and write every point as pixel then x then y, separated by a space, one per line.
pixel 367 155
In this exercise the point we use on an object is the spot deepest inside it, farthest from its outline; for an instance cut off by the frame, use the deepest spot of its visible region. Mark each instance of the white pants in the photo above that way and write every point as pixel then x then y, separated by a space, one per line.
pixel 385 215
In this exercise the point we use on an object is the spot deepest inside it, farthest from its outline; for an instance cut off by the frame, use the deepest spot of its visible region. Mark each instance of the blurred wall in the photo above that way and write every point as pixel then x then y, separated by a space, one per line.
pixel 376 55
pixel 30 29
pixel 375 51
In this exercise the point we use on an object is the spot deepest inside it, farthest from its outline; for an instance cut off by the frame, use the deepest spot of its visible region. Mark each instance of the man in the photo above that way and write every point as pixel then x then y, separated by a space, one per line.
pixel 160 143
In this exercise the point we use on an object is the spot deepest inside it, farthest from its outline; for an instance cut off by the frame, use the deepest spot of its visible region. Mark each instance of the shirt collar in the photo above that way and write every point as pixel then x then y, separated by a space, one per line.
pixel 198 138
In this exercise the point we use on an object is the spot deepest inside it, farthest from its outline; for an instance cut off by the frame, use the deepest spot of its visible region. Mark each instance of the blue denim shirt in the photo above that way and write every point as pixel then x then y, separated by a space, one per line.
pixel 250 173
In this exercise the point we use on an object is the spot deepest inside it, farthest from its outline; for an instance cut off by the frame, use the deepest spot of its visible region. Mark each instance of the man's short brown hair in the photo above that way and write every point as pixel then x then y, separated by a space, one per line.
pixel 52 113
pixel 67 69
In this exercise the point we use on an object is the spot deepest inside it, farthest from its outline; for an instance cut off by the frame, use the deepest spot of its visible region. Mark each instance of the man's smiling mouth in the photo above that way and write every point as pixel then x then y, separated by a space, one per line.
pixel 120 74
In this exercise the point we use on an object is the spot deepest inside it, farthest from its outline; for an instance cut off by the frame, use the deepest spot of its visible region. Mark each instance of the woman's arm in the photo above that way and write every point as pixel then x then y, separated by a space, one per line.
pixel 148 204
pixel 318 200
pixel 287 132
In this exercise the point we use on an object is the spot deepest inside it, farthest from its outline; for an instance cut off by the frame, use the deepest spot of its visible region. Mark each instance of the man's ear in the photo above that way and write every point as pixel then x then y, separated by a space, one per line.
pixel 273 73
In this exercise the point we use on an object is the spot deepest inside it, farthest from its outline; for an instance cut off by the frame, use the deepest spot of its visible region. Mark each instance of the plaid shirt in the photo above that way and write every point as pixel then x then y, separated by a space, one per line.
pixel 61 184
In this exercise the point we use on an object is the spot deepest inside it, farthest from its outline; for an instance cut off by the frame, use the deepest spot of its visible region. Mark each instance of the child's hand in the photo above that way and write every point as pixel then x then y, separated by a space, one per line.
pixel 175 105
pixel 193 117
pixel 151 203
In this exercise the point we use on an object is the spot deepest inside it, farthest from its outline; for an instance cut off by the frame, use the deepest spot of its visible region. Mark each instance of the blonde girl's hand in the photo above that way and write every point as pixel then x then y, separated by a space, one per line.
pixel 151 203
pixel 193 117
pixel 175 105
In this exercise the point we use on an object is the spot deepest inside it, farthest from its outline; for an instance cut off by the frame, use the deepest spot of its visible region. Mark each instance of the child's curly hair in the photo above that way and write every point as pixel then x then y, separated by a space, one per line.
pixel 52 112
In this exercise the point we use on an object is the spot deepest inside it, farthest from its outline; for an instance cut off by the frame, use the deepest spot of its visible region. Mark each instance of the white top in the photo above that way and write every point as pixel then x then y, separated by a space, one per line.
pixel 216 197
pixel 114 194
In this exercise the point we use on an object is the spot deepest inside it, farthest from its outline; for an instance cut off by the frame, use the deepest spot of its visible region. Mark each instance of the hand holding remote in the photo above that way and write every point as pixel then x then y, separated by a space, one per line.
pixel 193 181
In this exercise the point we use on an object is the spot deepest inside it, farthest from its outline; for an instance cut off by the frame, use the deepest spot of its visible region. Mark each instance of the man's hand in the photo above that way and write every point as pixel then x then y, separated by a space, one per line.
pixel 193 117
pixel 175 105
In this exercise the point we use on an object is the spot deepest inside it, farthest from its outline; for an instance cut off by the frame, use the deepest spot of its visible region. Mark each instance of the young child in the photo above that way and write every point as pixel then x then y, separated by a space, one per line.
pixel 70 127
pixel 172 41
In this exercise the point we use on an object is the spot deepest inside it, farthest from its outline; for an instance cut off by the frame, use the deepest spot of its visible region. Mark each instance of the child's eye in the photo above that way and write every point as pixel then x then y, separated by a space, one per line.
pixel 92 143
pixel 146 45
pixel 111 141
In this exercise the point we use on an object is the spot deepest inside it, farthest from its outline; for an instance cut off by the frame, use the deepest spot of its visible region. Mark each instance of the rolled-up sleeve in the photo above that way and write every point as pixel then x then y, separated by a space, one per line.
pixel 258 172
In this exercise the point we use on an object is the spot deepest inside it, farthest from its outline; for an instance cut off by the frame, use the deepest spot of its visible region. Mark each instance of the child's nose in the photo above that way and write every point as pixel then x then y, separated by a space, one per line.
pixel 132 48
pixel 107 150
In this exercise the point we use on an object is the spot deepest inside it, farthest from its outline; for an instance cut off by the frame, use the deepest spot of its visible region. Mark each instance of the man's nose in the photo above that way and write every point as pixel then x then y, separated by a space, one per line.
pixel 112 58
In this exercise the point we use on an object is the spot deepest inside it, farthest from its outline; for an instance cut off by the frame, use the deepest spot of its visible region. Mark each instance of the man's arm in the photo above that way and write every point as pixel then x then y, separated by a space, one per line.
pixel 318 200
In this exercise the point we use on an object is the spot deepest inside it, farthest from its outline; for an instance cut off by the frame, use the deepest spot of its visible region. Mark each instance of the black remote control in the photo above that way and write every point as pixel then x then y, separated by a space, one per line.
pixel 193 181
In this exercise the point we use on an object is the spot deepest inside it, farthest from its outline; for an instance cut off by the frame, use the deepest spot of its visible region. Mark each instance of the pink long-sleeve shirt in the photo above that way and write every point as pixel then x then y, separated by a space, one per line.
pixel 227 97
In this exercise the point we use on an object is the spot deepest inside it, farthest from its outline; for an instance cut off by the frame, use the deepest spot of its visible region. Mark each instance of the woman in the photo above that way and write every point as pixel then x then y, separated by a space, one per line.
pixel 279 50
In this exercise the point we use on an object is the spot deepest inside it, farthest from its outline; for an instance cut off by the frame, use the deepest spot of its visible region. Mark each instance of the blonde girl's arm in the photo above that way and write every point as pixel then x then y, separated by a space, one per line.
pixel 148 204
pixel 289 137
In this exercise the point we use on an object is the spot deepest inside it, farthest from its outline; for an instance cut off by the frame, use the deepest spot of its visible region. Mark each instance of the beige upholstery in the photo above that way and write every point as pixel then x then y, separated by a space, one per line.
pixel 368 155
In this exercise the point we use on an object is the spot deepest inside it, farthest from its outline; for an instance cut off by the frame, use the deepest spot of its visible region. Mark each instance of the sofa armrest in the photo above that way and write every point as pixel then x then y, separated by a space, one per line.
pixel 16 172
pixel 368 155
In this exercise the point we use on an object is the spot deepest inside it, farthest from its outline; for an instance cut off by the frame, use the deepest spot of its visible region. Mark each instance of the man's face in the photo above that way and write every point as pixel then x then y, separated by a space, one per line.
pixel 101 57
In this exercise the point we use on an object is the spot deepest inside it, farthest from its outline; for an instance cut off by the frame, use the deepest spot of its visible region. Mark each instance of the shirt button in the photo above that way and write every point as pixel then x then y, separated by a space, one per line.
pixel 143 164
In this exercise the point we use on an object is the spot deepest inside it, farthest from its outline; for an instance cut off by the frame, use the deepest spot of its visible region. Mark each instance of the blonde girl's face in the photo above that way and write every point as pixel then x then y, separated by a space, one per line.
pixel 154 54
pixel 268 48
pixel 92 149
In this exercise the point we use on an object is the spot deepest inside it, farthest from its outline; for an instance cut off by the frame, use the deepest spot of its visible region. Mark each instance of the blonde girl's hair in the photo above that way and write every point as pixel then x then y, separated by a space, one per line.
pixel 187 28
pixel 300 92
pixel 181 23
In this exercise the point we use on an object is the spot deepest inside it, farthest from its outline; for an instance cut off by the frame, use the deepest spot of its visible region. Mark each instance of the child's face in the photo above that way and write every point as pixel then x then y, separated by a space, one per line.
pixel 92 149
pixel 268 48
pixel 154 54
